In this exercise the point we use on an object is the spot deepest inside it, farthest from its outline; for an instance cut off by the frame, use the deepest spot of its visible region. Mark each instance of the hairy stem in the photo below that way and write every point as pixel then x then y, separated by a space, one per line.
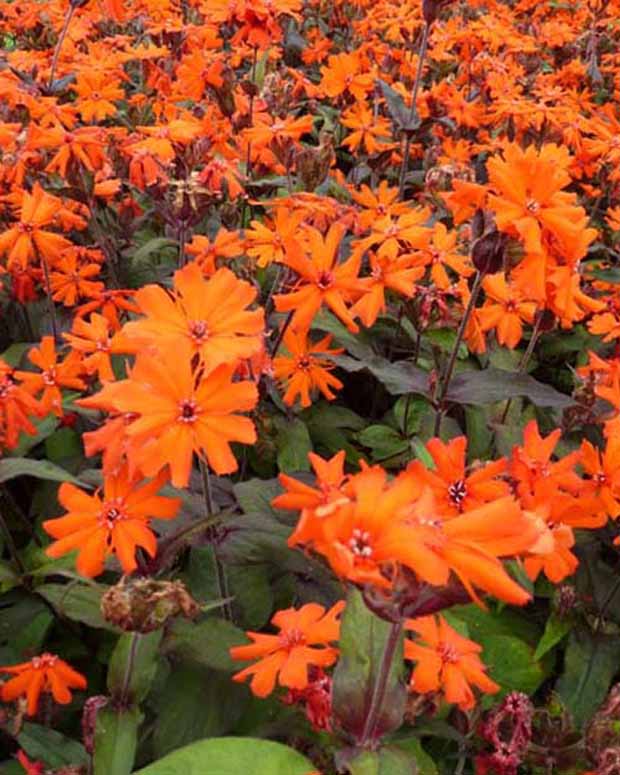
pixel 413 111
pixel 444 383
pixel 379 689
pixel 61 40
pixel 525 360
pixel 220 572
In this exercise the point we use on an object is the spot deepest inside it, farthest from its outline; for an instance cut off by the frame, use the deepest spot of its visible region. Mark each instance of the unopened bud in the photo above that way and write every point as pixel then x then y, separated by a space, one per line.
pixel 488 252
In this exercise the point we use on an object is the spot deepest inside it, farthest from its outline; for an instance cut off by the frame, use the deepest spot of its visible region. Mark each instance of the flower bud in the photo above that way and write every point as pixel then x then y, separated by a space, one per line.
pixel 488 252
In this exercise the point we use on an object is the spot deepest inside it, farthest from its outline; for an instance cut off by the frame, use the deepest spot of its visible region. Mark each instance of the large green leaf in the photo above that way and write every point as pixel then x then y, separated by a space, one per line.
pixel 385 761
pixel 79 602
pixel 590 663
pixel 189 706
pixel 207 642
pixel 116 740
pixel 12 467
pixel 399 378
pixel 231 756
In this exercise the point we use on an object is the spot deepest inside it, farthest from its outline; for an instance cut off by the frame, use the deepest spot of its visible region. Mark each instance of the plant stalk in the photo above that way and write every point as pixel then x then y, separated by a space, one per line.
pixel 444 383
pixel 378 694
pixel 220 572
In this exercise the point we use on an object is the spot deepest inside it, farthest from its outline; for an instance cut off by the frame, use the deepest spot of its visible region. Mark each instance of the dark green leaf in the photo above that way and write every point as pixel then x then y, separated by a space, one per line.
pixel 49 746
pixel 556 629
pixel 384 441
pixel 395 104
pixel 12 467
pixel 511 663
pixel 590 663
pixel 256 495
pixel 399 378
pixel 154 245
pixel 293 444
pixel 79 602
pixel 491 385
pixel 190 708
pixel 207 642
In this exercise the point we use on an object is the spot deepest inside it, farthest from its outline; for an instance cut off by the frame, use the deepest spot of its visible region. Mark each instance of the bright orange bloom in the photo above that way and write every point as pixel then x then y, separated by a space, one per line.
pixel 53 376
pixel 82 147
pixel 43 674
pixel 369 130
pixel 441 253
pixel 115 521
pixel 70 278
pixel 396 274
pixel 209 314
pixel 322 280
pixel 97 92
pixel 455 489
pixel 344 73
pixel 269 242
pixel 111 303
pixel 180 412
pixel 369 527
pixel 226 244
pixel 306 368
pixel 446 662
pixel 504 310
pixel 94 339
pixel 287 656
pixel 553 554
pixel 17 406
pixel 603 470
pixel 29 239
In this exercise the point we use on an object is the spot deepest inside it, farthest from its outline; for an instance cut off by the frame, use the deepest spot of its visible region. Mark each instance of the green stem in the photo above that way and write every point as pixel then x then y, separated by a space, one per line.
pixel 61 39
pixel 12 547
pixel 131 659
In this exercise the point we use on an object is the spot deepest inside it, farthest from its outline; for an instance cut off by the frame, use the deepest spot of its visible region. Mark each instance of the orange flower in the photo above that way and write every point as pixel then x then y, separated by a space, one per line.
pixel 71 276
pixel 505 310
pixel 28 239
pixel 113 522
pixel 271 242
pixel 93 338
pixel 53 375
pixel 446 662
pixel 16 408
pixel 97 92
pixel 552 555
pixel 369 527
pixel 306 369
pixel 322 280
pixel 441 253
pixel 46 673
pixel 396 274
pixel 180 412
pixel 287 656
pixel 209 314
pixel 455 489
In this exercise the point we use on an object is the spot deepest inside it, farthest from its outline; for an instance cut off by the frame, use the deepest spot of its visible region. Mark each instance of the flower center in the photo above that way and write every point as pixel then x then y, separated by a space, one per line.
pixel 532 206
pixel 25 228
pixel 188 411
pixel 199 331
pixel 457 492
pixel 325 280
pixel 49 377
pixel 111 513
pixel 359 543
pixel 303 363
pixel 291 638
pixel 43 661
pixel 447 652
pixel 600 479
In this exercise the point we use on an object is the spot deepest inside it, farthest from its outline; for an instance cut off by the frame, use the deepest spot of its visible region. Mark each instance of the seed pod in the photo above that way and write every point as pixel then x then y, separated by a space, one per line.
pixel 144 605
